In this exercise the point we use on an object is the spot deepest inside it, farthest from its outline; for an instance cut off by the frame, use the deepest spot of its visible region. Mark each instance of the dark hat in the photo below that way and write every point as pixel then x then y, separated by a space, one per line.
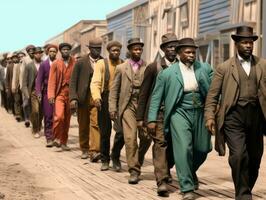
pixel 30 47
pixel 167 38
pixel 64 44
pixel 112 44
pixel 186 42
pixel 134 41
pixel 96 42
pixel 244 32
pixel 15 54
pixel 38 50
pixel 21 52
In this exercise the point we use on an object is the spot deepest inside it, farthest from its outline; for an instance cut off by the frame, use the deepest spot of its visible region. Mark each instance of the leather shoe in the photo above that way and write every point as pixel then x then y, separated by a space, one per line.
pixel 49 143
pixel 95 157
pixel 56 144
pixel 84 155
pixel 134 178
pixel 117 165
pixel 188 196
pixel 64 147
pixel 105 166
pixel 162 190
pixel 27 124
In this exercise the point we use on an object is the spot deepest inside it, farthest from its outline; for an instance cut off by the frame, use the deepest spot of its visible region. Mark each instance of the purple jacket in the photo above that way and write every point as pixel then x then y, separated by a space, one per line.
pixel 41 81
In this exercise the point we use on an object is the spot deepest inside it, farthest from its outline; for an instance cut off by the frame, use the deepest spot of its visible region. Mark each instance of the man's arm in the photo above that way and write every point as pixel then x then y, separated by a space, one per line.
pixel 114 92
pixel 73 85
pixel 52 82
pixel 39 79
pixel 24 81
pixel 145 90
pixel 97 80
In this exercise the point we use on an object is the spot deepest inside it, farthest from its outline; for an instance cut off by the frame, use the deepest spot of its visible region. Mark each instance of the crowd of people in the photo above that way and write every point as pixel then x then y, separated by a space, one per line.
pixel 176 103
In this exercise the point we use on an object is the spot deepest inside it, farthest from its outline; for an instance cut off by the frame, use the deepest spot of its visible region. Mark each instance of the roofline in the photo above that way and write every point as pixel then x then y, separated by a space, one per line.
pixel 126 8
pixel 93 26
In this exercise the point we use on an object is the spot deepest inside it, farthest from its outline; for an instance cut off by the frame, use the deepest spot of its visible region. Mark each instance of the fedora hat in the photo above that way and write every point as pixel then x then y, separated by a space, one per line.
pixel 64 44
pixel 96 42
pixel 186 42
pixel 167 38
pixel 244 32
pixel 134 41
pixel 38 50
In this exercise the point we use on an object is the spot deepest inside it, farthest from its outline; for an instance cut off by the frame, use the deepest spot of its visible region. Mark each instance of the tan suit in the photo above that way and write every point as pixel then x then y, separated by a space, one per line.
pixel 123 100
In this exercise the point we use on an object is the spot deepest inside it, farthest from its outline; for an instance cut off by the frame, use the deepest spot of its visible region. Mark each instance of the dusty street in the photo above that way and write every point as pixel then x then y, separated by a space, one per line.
pixel 30 171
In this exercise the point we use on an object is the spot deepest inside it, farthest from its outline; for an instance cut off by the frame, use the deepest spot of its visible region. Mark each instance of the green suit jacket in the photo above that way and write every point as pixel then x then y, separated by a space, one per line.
pixel 169 89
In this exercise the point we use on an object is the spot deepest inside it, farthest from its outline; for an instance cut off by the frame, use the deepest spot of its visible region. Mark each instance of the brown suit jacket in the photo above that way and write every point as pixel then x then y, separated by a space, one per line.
pixel 224 90
pixel 80 80
pixel 122 87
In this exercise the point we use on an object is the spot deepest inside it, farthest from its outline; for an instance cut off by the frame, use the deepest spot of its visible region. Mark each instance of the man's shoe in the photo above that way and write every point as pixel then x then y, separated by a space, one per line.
pixel 169 179
pixel 18 118
pixel 64 147
pixel 56 144
pixel 84 155
pixel 162 190
pixel 36 135
pixel 105 166
pixel 27 124
pixel 117 165
pixel 134 178
pixel 95 157
pixel 49 143
pixel 188 196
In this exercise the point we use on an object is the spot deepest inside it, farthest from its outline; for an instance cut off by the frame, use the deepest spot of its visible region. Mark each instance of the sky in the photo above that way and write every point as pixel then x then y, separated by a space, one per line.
pixel 26 22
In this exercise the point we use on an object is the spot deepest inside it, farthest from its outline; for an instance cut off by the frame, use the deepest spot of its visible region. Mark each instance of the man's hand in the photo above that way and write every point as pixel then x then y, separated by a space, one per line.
pixel 39 96
pixel 151 127
pixel 51 100
pixel 210 124
pixel 73 106
pixel 98 104
pixel 113 115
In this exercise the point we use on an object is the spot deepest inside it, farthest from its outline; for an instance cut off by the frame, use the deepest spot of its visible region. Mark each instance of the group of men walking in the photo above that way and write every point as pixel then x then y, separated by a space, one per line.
pixel 176 102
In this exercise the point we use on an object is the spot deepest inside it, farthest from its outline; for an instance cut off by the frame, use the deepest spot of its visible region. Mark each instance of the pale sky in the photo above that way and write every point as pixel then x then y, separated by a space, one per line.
pixel 26 22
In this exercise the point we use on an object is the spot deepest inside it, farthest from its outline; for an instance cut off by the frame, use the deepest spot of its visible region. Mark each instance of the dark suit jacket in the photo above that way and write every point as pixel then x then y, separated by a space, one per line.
pixel 80 80
pixel 147 86
pixel 225 89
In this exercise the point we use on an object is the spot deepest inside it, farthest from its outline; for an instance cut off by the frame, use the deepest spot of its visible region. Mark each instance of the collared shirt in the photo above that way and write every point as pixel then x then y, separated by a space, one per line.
pixel 189 78
pixel 93 61
pixel 246 64
pixel 37 65
pixel 50 62
pixel 168 63
pixel 135 65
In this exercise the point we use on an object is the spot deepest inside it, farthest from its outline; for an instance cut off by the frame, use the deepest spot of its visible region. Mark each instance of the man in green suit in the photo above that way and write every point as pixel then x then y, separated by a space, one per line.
pixel 183 87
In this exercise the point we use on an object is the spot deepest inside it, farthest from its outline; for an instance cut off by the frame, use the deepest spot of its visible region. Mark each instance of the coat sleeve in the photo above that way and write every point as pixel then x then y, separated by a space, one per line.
pixel 24 82
pixel 8 74
pixel 214 93
pixel 51 91
pixel 97 80
pixel 73 86
pixel 115 90
pixel 157 97
pixel 145 91
pixel 39 79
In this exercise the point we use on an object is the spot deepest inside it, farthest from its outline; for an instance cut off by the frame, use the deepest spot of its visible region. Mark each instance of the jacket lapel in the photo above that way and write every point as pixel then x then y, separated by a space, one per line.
pixel 178 73
pixel 255 63
pixel 128 70
pixel 142 69
pixel 235 73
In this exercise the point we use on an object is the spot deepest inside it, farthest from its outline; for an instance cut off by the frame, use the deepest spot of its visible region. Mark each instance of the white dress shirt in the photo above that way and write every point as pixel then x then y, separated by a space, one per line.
pixel 246 64
pixel 189 78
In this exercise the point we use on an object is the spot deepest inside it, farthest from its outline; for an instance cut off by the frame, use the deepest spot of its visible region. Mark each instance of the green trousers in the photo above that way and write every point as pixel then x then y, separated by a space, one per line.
pixel 191 144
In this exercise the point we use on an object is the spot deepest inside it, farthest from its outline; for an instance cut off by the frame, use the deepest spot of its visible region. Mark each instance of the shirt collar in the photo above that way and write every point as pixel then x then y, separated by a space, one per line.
pixel 132 62
pixel 242 59
pixel 168 63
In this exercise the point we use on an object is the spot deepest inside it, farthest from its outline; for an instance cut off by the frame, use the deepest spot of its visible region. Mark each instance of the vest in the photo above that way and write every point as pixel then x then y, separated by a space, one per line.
pixel 248 90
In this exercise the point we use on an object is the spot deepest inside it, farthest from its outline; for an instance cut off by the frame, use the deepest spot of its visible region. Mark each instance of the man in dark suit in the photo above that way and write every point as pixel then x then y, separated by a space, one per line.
pixel 239 86
pixel 80 99
pixel 162 150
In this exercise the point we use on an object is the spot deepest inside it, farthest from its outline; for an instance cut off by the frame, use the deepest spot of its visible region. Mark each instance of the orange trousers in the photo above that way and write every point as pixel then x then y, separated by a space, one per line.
pixel 62 116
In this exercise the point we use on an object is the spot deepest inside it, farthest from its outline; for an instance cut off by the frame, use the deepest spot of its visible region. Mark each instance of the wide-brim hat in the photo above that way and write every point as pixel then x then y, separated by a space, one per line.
pixel 167 38
pixel 244 32
pixel 95 43
pixel 186 42
pixel 134 41
pixel 64 44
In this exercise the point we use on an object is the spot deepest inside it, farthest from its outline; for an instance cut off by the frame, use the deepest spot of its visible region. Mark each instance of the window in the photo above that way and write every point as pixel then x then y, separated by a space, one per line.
pixel 183 13
pixel 171 18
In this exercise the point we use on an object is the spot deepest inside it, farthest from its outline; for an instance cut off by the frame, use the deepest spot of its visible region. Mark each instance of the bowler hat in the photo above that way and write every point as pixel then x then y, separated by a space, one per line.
pixel 244 32
pixel 96 42
pixel 186 42
pixel 64 44
pixel 167 38
pixel 134 41
pixel 38 50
